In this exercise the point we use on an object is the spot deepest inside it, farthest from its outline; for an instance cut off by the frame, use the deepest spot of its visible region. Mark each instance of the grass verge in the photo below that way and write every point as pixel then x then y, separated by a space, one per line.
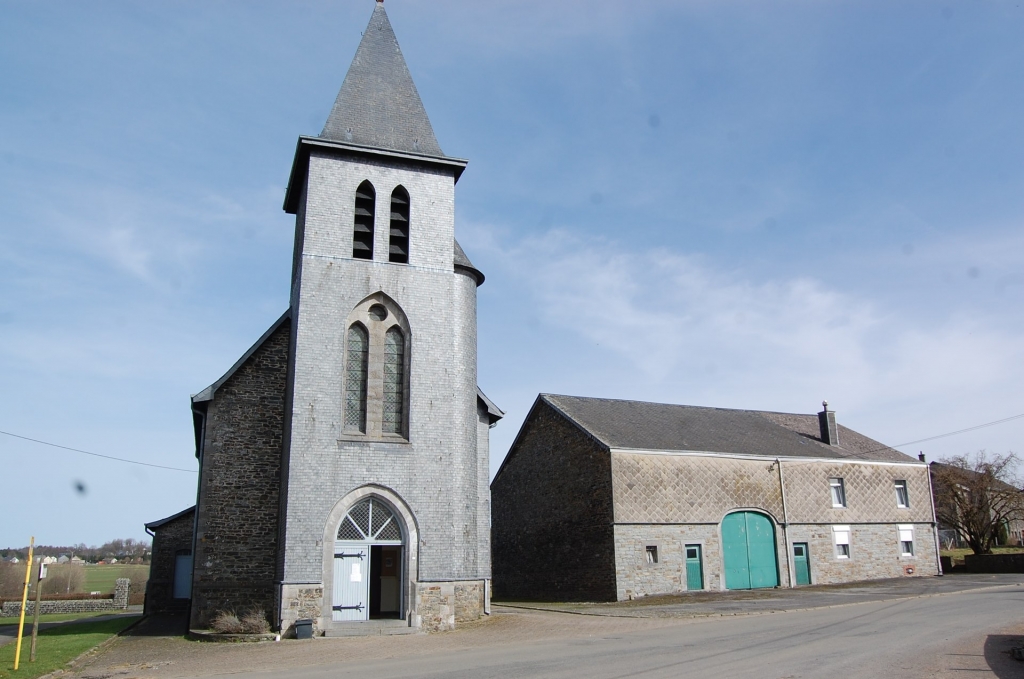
pixel 53 617
pixel 58 645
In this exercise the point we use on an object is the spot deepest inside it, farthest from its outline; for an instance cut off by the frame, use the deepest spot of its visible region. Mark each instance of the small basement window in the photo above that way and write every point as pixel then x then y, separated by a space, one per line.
pixel 906 540
pixel 841 537
pixel 652 553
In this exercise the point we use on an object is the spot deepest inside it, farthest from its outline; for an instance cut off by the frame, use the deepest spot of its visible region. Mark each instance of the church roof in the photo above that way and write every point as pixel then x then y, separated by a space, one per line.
pixel 208 393
pixel 640 425
pixel 462 262
pixel 153 525
pixel 378 104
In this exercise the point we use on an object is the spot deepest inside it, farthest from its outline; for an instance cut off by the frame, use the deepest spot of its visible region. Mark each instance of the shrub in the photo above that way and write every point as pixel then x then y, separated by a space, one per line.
pixel 255 622
pixel 226 622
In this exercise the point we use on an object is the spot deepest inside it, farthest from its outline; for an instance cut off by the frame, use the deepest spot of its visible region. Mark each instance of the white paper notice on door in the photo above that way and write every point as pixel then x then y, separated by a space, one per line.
pixel 356 575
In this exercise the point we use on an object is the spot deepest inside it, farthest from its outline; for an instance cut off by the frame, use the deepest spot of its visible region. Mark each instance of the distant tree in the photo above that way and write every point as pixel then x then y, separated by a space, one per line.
pixel 977 495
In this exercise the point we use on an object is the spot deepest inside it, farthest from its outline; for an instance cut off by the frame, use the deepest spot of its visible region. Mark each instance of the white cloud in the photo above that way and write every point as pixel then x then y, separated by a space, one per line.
pixel 688 330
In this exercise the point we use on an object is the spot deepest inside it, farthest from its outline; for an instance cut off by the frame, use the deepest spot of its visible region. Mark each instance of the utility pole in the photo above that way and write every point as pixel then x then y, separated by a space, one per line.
pixel 24 601
pixel 40 574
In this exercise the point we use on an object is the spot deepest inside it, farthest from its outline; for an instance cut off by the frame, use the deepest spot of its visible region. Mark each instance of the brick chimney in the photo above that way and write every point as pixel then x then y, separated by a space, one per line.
pixel 827 425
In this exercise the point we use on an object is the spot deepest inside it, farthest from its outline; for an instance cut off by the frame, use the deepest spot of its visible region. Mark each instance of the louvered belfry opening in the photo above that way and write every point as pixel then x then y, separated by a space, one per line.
pixel 398 251
pixel 362 235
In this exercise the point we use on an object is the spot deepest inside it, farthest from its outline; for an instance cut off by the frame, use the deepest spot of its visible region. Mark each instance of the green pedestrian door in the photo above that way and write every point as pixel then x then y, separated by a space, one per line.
pixel 748 544
pixel 694 568
pixel 800 565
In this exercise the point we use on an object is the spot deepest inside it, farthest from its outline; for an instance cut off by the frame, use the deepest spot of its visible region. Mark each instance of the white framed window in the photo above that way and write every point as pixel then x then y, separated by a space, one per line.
pixel 841 538
pixel 902 497
pixel 652 554
pixel 906 540
pixel 838 489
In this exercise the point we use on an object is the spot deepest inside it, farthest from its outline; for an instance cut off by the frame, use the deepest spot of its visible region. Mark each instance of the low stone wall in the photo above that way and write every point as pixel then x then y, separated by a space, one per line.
pixel 994 563
pixel 118 602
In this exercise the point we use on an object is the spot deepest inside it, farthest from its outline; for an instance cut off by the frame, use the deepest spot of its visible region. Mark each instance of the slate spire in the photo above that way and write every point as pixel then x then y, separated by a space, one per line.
pixel 378 104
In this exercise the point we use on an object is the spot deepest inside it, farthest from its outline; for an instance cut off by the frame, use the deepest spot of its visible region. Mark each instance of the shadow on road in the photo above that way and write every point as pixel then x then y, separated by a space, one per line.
pixel 159 626
pixel 998 657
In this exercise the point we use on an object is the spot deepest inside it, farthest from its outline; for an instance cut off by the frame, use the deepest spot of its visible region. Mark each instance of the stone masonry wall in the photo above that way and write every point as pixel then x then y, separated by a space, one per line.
pixel 551 504
pixel 672 500
pixel 440 605
pixel 169 540
pixel 637 578
pixel 874 552
pixel 469 600
pixel 237 528
pixel 118 602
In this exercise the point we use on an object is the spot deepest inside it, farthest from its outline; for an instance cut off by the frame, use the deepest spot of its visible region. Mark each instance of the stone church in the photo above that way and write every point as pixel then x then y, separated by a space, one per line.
pixel 344 457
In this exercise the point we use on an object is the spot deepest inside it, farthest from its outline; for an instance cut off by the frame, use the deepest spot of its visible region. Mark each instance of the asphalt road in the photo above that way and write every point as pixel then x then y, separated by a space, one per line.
pixel 966 634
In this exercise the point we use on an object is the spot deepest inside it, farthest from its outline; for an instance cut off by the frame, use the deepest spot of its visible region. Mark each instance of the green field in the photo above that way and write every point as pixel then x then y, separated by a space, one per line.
pixel 58 645
pixel 51 617
pixel 102 578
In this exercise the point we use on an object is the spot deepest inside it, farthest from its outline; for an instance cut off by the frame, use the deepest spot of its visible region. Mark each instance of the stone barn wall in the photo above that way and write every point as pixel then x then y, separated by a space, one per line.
pixel 169 540
pixel 551 507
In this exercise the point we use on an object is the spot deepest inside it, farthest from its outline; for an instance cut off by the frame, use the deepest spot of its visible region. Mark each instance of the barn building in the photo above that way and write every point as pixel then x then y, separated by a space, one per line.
pixel 344 457
pixel 602 499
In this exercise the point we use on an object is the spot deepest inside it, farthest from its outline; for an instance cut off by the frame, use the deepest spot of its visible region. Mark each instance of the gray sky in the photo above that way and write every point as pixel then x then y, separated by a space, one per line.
pixel 737 204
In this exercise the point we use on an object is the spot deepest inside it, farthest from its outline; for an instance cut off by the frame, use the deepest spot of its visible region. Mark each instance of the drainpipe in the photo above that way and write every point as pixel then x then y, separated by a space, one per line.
pixel 935 520
pixel 785 525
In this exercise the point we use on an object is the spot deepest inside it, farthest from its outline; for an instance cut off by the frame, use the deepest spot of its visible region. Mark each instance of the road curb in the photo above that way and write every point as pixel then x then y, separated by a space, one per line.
pixel 694 616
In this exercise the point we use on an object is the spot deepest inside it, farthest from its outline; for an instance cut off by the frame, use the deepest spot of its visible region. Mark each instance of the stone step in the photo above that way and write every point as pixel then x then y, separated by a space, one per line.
pixel 369 628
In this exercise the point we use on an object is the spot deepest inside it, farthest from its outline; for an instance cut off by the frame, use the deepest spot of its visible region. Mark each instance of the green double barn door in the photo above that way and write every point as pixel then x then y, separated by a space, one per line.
pixel 748 544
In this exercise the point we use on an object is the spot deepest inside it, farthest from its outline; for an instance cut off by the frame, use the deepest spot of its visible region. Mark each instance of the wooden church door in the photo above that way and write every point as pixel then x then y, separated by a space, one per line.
pixel 351 583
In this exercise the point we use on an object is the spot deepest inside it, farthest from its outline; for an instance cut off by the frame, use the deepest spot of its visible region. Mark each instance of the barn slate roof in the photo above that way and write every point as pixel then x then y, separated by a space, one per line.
pixel 378 104
pixel 680 428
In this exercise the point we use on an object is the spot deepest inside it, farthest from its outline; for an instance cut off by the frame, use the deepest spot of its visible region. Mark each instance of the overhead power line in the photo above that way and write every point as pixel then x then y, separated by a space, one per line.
pixel 106 457
pixel 960 431
pixel 193 471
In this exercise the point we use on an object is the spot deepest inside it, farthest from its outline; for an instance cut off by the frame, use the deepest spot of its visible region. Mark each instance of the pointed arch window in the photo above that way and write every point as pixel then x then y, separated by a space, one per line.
pixel 394 381
pixel 376 372
pixel 398 243
pixel 357 361
pixel 362 230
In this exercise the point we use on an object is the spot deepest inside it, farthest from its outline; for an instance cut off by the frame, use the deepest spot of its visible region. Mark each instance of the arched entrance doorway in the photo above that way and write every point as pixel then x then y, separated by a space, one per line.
pixel 368 563
pixel 748 547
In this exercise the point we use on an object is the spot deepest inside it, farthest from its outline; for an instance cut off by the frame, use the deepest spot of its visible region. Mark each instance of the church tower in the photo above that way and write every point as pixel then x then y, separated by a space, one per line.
pixel 385 499
pixel 344 458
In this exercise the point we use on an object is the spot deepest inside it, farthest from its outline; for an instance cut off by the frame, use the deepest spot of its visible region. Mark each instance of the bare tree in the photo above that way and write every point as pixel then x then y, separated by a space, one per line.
pixel 977 495
pixel 12 580
pixel 64 579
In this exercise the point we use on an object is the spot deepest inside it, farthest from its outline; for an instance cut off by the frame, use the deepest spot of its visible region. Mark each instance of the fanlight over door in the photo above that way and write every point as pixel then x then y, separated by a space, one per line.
pixel 370 521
